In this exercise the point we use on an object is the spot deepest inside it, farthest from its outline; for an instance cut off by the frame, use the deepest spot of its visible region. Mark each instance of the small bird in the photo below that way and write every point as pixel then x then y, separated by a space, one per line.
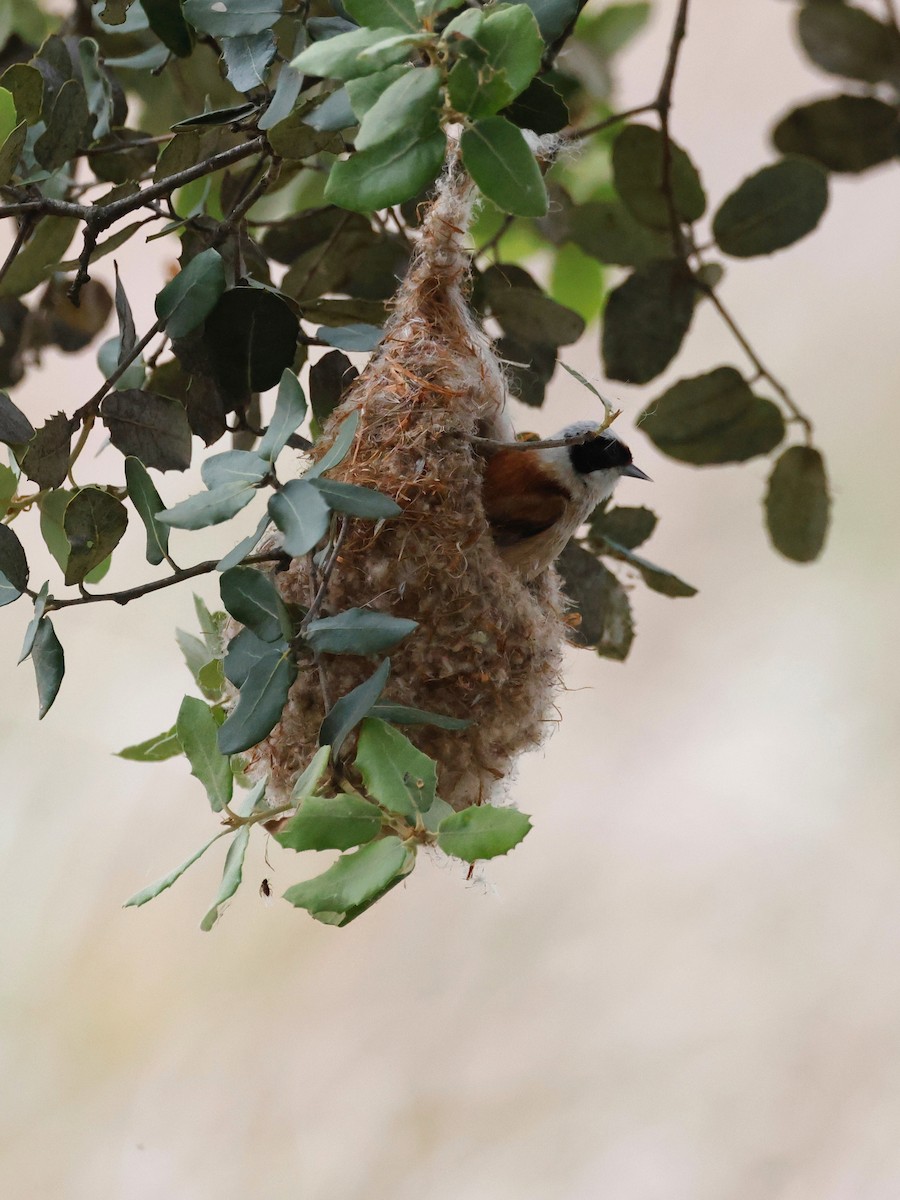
pixel 535 500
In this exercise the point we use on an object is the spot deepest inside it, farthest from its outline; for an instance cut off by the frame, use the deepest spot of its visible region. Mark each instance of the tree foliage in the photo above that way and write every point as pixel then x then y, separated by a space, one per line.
pixel 282 150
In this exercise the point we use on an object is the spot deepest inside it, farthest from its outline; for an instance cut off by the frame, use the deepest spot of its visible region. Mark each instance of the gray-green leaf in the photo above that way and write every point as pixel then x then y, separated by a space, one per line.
pixel 231 876
pixel 260 705
pixel 798 504
pixel 482 831
pixel 330 823
pixel 398 775
pixel 196 729
pixel 252 598
pixel 147 503
pixel 357 631
pixel 349 710
pixel 355 879
pixel 186 302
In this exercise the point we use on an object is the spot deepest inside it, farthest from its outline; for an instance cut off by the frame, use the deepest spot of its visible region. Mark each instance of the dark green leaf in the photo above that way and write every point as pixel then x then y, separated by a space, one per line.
pixel 398 775
pixel 231 876
pixel 260 705
pixel 251 335
pixel 797 504
pixel 401 714
pixel 26 84
pixel 296 138
pixel 357 631
pixel 599 600
pixel 13 566
pixel 252 598
pixel 233 466
pixel 329 378
pixel 341 57
pixel 40 257
pixel 244 651
pixel 656 578
pixel 49 665
pixel 9 483
pixel 528 316
pixel 339 312
pixel 540 108
pixel 46 460
pixel 196 729
pixel 366 90
pixel 347 712
pixel 847 41
pixel 330 823
pixel 247 59
pixel 290 410
pixel 188 300
pixel 337 451
pixel 376 14
pixel 147 503
pixel 843 133
pixel 389 173
pixel 638 170
pixel 94 522
pixel 412 101
pixel 355 500
pixel 11 151
pixel 530 369
pixel 155 749
pixel 614 27
pixel 646 319
pixel 166 19
pixel 482 831
pixel 15 428
pixel 127 332
pixel 713 418
pixel 31 629
pixel 154 889
pixel 302 515
pixel 497 157
pixel 354 881
pixel 513 43
pixel 67 127
pixel 628 527
pixel 772 209
pixel 239 18
pixel 152 428
pixel 606 230
pixel 208 508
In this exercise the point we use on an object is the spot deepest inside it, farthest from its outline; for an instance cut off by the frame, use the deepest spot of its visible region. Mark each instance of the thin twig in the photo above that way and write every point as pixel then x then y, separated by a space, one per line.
pixel 577 439
pixel 21 234
pixel 663 108
pixel 577 135
pixel 330 563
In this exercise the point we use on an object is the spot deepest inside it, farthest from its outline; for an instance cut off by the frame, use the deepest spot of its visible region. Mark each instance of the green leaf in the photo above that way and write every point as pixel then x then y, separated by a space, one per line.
pixel 233 466
pixel 773 208
pixel 401 714
pixel 155 749
pixel 244 651
pixel 347 712
pixel 628 527
pixel 656 578
pixel 412 101
pixel 252 598
pixel 606 230
pixel 713 418
pixel 67 127
pixel 329 377
pixel 287 89
pixel 40 257
pixel 26 84
pixel 330 823
pixel 260 705
pixel 393 171
pixel 366 90
pixel 361 338
pixel 9 118
pixel 355 879
pixel 357 631
pixel 15 428
pixel 231 876
pixel 208 508
pixel 215 116
pixel 151 428
pixel 302 515
pixel 798 504
pixel 239 18
pixel 398 775
pixel 251 337
pixel 497 157
pixel 638 170
pixel 49 665
pixel 528 316
pixel 93 522
pixel 154 889
pixel 197 731
pixel 843 133
pixel 46 460
pixel 290 411
pixel 166 19
pixel 845 40
pixel 599 600
pixel 482 831
pixel 513 43
pixel 97 86
pixel 646 320
pixel 378 14
pixel 341 57
pixel 147 503
pixel 188 300
pixel 9 483
pixel 355 500
pixel 337 452
pixel 298 137
pixel 247 59
pixel 244 547
pixel 11 151
pixel 612 28
pixel 307 783
pixel 13 567
pixel 539 108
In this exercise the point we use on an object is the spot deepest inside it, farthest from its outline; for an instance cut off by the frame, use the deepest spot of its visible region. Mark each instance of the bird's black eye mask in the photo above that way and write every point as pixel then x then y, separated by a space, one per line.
pixel 599 454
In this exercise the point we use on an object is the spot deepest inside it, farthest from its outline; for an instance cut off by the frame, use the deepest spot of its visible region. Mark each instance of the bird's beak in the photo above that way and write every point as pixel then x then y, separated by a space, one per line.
pixel 636 472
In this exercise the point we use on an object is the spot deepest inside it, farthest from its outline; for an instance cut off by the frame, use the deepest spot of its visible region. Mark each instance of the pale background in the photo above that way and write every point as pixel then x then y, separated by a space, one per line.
pixel 683 986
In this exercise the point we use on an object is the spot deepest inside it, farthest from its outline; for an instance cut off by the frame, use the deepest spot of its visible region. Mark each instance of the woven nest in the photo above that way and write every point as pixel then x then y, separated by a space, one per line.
pixel 488 646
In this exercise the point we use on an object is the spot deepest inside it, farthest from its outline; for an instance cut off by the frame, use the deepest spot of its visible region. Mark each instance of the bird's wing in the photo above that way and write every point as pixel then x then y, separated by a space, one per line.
pixel 520 499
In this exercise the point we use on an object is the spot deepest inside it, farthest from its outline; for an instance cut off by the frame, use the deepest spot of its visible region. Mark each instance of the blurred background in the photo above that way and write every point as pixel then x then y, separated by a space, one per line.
pixel 684 985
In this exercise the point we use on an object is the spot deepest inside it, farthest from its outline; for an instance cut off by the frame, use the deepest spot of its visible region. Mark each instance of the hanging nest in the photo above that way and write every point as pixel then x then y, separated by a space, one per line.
pixel 488 646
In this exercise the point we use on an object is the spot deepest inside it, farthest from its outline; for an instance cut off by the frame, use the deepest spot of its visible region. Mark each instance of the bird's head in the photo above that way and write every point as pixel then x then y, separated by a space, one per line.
pixel 596 464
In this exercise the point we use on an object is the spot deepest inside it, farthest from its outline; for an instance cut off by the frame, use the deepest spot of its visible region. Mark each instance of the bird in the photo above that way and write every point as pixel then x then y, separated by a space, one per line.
pixel 535 500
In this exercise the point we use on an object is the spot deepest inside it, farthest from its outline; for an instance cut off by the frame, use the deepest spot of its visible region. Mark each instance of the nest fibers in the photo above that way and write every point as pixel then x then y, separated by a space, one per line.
pixel 488 646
